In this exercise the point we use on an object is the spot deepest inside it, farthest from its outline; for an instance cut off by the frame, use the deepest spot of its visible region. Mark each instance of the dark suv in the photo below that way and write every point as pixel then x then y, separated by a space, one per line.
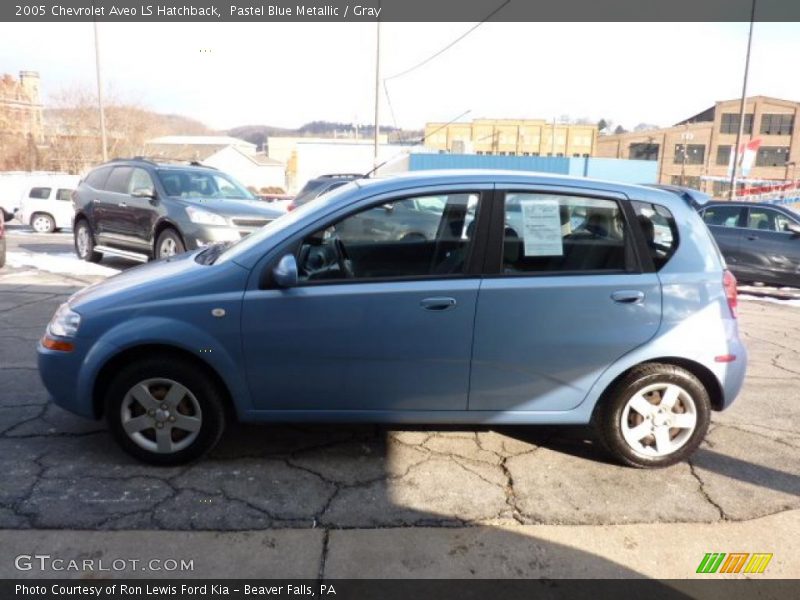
pixel 141 209
pixel 314 188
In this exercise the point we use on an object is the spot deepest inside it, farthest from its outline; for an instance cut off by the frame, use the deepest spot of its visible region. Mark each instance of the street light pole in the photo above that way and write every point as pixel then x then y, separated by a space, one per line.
pixel 377 90
pixel 100 95
pixel 740 132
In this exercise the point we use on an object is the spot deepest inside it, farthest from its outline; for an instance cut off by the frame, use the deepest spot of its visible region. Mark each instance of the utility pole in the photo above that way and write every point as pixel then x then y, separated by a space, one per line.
pixel 103 138
pixel 377 91
pixel 740 133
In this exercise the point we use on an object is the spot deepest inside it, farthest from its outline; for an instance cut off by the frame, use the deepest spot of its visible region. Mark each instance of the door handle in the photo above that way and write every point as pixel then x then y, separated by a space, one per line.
pixel 752 237
pixel 628 296
pixel 439 303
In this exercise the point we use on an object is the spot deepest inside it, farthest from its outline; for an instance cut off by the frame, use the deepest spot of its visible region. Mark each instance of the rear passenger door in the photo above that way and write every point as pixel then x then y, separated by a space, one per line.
pixel 565 295
pixel 769 252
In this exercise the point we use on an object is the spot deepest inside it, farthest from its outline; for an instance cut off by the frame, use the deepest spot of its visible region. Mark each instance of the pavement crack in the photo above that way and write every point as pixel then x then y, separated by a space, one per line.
pixel 702 489
pixel 323 557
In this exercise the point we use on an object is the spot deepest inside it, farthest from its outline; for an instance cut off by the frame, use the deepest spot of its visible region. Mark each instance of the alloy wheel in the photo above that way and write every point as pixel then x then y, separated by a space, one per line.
pixel 161 415
pixel 658 419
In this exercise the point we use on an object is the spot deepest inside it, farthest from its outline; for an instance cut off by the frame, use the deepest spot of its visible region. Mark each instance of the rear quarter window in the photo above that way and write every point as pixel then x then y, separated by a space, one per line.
pixel 97 178
pixel 659 230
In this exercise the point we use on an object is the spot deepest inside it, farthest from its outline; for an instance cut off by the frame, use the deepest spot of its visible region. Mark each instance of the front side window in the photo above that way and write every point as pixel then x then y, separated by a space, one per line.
pixel 40 193
pixel 767 220
pixel 722 216
pixel 187 183
pixel 659 230
pixel 547 232
pixel 422 236
pixel 140 181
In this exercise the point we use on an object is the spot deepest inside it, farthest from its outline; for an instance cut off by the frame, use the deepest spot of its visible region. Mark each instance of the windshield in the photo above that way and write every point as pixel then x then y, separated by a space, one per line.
pixel 190 183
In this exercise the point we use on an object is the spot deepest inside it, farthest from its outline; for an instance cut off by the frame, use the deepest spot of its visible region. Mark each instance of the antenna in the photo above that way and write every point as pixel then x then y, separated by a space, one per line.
pixel 420 141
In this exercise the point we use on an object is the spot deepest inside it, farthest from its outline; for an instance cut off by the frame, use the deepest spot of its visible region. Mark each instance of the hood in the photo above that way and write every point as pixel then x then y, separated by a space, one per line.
pixel 235 208
pixel 171 279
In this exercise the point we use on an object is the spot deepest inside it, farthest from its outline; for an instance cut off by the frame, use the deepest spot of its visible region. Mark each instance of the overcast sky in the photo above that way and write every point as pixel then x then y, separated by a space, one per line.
pixel 286 74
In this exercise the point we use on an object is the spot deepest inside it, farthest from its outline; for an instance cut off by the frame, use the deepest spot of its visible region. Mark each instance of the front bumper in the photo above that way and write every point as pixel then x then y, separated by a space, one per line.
pixel 199 236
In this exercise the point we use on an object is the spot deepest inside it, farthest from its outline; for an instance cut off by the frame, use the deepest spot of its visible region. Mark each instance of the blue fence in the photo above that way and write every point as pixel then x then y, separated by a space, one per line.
pixel 611 169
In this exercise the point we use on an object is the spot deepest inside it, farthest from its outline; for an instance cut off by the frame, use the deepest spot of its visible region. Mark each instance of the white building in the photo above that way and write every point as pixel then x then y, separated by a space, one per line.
pixel 234 156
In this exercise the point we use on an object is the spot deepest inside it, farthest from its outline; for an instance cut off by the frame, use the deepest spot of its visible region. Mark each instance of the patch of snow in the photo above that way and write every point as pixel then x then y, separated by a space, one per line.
pixel 794 302
pixel 60 262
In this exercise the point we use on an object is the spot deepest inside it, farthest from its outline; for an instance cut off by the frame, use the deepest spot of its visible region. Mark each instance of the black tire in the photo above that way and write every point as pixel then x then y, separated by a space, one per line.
pixel 201 388
pixel 608 417
pixel 89 253
pixel 170 238
pixel 43 218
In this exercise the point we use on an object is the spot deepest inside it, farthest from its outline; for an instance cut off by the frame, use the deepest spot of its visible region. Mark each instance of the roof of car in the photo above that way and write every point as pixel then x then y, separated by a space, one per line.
pixel 139 160
pixel 457 176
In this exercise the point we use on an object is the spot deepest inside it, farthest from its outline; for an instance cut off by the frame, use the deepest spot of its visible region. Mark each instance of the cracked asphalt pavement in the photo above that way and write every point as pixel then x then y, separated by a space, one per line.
pixel 64 472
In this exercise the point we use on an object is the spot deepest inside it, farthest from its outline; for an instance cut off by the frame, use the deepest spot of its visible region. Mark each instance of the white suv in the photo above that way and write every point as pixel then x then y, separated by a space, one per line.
pixel 47 208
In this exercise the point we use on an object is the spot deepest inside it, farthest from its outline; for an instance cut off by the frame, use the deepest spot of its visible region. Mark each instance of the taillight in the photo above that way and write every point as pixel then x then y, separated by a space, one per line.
pixel 729 283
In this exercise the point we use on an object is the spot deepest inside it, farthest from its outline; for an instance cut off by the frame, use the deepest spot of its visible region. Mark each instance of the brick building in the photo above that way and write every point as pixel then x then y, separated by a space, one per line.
pixel 20 106
pixel 697 151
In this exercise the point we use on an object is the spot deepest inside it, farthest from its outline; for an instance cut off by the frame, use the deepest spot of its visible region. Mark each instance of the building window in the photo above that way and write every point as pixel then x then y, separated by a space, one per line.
pixel 695 154
pixel 772 156
pixel 730 123
pixel 721 189
pixel 526 154
pixel 560 154
pixel 534 154
pixel 586 155
pixel 777 124
pixel 723 155
pixel 479 152
pixel 688 181
pixel 643 151
pixel 576 155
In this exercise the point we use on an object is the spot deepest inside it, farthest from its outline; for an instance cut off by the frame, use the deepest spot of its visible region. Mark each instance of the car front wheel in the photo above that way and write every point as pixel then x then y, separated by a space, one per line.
pixel 655 416
pixel 164 411
pixel 168 244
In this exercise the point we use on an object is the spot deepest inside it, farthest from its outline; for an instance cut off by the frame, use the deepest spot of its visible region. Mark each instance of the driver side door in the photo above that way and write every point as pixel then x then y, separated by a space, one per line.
pixel 379 322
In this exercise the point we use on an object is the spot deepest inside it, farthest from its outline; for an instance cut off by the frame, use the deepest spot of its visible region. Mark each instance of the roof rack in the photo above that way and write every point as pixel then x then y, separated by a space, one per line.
pixel 340 175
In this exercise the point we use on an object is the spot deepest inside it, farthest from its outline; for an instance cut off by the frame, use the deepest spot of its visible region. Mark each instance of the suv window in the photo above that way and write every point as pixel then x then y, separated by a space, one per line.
pixel 40 193
pixel 64 194
pixel 546 232
pixel 767 219
pixel 97 178
pixel 394 240
pixel 722 216
pixel 659 230
pixel 201 184
pixel 118 180
pixel 140 180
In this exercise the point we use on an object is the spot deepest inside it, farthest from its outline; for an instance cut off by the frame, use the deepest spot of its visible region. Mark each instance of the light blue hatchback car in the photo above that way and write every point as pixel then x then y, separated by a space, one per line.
pixel 533 299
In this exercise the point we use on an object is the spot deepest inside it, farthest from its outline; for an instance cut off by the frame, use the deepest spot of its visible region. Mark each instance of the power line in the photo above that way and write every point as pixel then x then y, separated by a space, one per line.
pixel 451 44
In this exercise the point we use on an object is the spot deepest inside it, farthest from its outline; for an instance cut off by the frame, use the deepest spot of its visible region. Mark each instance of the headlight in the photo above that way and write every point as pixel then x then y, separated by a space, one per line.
pixel 204 217
pixel 65 322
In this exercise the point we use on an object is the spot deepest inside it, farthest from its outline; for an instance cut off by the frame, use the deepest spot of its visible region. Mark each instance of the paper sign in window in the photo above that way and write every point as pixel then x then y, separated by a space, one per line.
pixel 541 228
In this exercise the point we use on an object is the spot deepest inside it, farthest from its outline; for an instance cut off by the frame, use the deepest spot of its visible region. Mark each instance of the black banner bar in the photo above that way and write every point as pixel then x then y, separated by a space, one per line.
pixel 398 10
pixel 401 589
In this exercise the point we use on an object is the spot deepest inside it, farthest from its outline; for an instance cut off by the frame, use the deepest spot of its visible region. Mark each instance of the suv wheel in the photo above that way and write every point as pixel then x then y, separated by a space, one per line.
pixel 169 243
pixel 84 243
pixel 43 223
pixel 656 416
pixel 164 412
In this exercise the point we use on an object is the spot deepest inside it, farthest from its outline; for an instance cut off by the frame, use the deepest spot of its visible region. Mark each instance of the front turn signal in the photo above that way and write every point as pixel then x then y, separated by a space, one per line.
pixel 60 345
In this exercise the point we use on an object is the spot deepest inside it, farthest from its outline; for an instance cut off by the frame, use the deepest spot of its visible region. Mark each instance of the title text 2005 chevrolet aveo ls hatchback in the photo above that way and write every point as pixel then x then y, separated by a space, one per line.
pixel 501 297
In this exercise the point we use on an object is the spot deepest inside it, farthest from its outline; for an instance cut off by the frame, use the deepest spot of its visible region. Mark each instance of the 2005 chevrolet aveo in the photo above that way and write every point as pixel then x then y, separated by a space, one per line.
pixel 531 299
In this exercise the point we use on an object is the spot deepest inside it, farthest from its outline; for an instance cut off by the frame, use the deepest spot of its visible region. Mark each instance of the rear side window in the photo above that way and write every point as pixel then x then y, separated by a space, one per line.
pixel 40 193
pixel 722 216
pixel 546 233
pixel 97 178
pixel 118 180
pixel 659 229
pixel 64 194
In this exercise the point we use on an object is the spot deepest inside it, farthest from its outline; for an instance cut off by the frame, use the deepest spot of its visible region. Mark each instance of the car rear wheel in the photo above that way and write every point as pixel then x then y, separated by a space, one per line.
pixel 43 223
pixel 165 411
pixel 655 416
pixel 169 243
pixel 84 243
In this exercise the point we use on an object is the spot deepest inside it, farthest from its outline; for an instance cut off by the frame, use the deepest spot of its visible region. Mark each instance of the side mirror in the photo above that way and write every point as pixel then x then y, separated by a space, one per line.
pixel 284 274
pixel 794 228
pixel 144 193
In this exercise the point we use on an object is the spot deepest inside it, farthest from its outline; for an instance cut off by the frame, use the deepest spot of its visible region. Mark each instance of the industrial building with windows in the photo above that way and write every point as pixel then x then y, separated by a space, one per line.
pixel 697 151
pixel 513 137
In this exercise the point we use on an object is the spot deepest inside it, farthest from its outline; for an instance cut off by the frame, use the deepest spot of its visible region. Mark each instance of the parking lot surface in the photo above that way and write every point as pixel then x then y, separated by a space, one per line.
pixel 64 472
